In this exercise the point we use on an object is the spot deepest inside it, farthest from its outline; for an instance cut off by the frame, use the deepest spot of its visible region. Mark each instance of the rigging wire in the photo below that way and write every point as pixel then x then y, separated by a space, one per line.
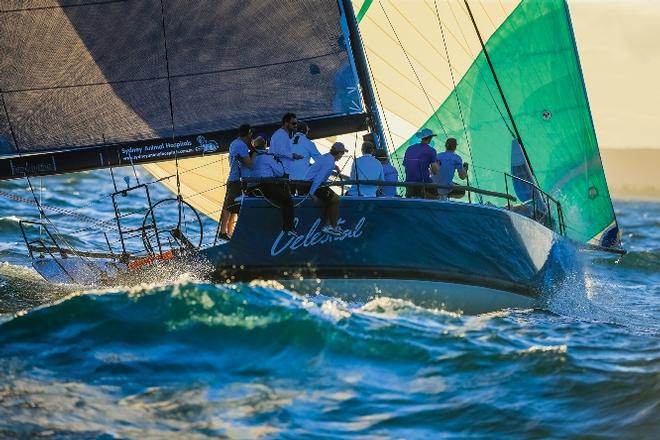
pixel 499 88
pixel 453 81
pixel 130 157
pixel 380 104
pixel 469 52
pixel 419 81
pixel 42 214
pixel 169 92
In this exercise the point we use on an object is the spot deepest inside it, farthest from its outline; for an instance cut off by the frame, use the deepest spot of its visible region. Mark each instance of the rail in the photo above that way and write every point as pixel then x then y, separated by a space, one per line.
pixel 535 203
pixel 520 196
pixel 382 183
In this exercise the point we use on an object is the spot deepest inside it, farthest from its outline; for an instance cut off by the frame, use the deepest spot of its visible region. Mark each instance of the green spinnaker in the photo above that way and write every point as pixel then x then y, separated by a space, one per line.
pixel 535 57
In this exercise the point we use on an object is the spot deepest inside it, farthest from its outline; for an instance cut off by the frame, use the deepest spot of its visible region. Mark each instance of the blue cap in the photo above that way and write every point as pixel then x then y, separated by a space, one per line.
pixel 424 133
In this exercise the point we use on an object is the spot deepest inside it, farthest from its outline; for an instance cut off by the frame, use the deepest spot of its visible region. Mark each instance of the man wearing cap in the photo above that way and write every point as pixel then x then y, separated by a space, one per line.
pixel 240 161
pixel 418 160
pixel 366 167
pixel 317 174
pixel 389 172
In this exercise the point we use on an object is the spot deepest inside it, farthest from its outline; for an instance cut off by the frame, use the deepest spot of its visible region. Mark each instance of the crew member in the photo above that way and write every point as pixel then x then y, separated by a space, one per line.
pixel 390 173
pixel 419 159
pixel 240 161
pixel 280 142
pixel 317 174
pixel 304 147
pixel 366 167
pixel 265 166
pixel 450 163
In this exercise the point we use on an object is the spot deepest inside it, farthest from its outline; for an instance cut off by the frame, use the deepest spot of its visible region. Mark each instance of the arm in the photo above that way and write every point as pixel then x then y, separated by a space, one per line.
pixel 435 167
pixel 276 167
pixel 245 156
pixel 246 160
pixel 313 151
pixel 321 177
pixel 462 171
pixel 280 147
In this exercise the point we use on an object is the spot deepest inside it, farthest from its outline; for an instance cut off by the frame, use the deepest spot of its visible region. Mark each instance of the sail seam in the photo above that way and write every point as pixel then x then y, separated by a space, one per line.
pixel 453 81
pixel 413 68
pixel 184 75
pixel 41 8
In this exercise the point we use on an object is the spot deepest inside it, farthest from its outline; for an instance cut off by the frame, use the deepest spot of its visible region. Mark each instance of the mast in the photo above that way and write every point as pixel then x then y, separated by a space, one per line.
pixel 499 88
pixel 361 66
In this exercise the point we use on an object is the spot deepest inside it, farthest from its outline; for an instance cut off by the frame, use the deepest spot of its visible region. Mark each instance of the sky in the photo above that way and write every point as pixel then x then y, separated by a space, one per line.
pixel 619 46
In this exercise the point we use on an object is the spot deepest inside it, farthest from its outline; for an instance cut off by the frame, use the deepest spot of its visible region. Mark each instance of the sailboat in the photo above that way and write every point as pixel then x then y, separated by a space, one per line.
pixel 164 84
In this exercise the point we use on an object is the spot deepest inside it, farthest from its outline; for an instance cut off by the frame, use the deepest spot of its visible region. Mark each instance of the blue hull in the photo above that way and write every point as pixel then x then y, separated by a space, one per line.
pixel 399 239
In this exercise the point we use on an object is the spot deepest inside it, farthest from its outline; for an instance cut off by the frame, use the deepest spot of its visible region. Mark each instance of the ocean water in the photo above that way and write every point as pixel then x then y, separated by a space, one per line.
pixel 184 358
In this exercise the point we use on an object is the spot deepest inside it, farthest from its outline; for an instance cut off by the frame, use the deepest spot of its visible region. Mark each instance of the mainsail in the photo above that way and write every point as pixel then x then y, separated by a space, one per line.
pixel 89 83
pixel 429 71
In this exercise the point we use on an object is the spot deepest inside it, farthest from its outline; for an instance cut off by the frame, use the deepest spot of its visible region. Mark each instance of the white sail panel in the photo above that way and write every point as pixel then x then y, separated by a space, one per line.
pixel 410 66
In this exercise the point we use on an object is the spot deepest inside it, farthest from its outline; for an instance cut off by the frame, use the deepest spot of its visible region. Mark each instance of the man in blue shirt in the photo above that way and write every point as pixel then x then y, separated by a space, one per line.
pixel 419 159
pixel 317 174
pixel 366 167
pixel 264 165
pixel 240 161
pixel 450 163
pixel 389 172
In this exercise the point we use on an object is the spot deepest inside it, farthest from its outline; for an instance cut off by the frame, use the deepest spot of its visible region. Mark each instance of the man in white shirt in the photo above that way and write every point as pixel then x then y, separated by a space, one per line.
pixel 366 167
pixel 301 145
pixel 264 165
pixel 240 161
pixel 318 174
pixel 280 142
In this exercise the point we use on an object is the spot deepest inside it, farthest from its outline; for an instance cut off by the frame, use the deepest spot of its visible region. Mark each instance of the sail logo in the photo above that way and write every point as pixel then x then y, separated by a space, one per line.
pixel 314 237
pixel 206 146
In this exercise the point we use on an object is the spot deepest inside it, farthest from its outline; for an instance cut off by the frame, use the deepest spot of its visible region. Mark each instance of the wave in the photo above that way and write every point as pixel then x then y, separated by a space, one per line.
pixel 172 355
pixel 197 317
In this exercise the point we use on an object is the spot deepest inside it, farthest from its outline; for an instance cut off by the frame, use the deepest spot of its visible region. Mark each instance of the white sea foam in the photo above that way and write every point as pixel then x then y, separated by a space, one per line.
pixel 393 307
pixel 546 348
pixel 11 218
pixel 332 309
